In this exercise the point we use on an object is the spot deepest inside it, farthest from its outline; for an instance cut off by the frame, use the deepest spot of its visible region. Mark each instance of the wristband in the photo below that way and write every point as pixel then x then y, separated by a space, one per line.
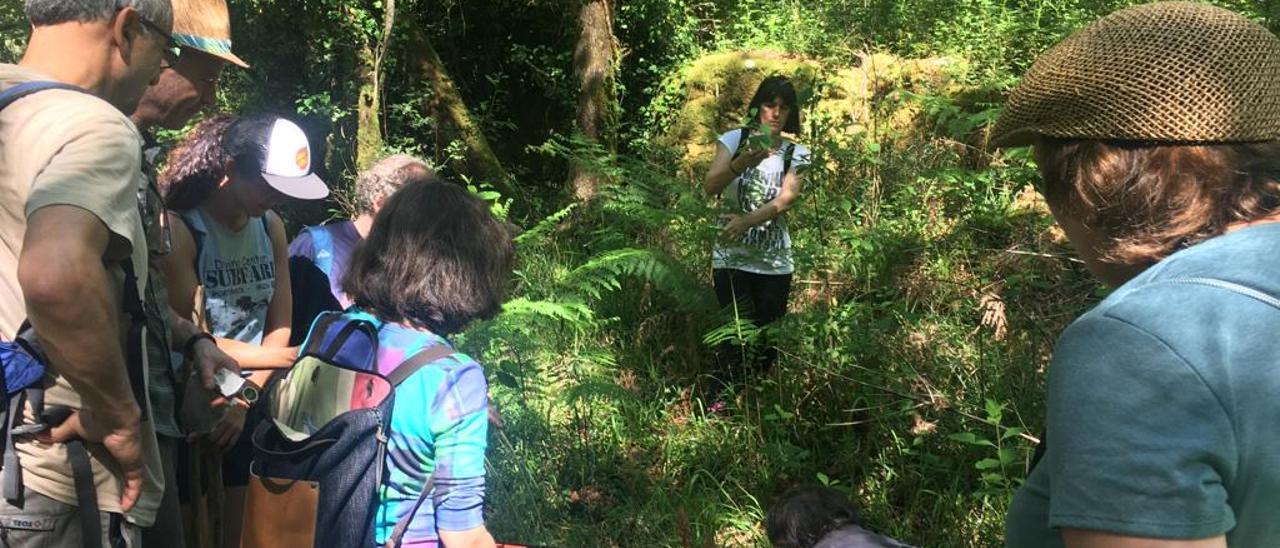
pixel 189 347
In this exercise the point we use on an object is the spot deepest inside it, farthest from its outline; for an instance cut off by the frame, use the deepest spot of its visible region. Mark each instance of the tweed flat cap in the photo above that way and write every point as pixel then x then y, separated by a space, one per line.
pixel 1177 72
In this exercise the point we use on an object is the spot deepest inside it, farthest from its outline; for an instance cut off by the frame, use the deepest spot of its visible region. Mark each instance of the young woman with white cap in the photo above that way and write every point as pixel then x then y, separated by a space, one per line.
pixel 229 266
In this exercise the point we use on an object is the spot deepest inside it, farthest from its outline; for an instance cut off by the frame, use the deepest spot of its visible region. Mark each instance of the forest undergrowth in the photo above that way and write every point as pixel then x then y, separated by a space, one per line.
pixel 931 282
pixel 930 287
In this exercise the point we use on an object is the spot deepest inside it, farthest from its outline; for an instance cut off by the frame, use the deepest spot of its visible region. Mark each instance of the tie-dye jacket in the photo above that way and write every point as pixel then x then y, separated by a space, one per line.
pixel 439 425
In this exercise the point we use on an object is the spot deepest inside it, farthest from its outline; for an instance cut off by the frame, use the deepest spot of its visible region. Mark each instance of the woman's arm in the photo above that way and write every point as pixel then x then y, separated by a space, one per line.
pixel 724 168
pixel 474 538
pixel 179 268
pixel 1082 538
pixel 738 224
pixel 275 337
pixel 460 445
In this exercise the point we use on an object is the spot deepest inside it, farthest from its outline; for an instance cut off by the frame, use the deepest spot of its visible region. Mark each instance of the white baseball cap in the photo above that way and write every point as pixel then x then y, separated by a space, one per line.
pixel 288 163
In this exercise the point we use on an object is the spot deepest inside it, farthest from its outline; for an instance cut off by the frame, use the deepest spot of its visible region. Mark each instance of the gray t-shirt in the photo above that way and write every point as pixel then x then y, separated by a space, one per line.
pixel 237 272
pixel 766 247
pixel 1164 404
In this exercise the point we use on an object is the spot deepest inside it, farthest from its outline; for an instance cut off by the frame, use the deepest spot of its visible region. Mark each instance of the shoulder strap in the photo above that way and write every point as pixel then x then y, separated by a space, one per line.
pixel 401 373
pixel 265 239
pixel 198 231
pixel 787 154
pixel 402 526
pixel 24 89
pixel 425 356
pixel 134 352
pixel 742 141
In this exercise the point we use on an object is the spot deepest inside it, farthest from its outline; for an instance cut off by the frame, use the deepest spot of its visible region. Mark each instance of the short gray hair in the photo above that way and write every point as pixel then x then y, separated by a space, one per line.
pixel 384 177
pixel 55 12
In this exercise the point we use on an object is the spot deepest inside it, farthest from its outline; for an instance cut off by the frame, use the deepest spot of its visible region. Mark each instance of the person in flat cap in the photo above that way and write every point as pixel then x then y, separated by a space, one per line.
pixel 1155 130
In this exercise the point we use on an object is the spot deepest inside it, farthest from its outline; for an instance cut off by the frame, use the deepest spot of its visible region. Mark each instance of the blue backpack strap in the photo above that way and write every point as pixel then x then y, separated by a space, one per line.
pixel 195 227
pixel 787 154
pixel 24 89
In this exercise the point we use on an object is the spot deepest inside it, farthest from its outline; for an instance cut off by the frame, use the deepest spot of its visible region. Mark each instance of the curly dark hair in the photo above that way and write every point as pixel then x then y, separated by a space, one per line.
pixel 194 168
pixel 197 166
pixel 435 257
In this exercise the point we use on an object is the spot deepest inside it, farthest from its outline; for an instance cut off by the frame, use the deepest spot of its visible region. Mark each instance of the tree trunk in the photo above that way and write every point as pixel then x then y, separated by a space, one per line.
pixel 594 63
pixel 369 139
pixel 479 161
pixel 368 112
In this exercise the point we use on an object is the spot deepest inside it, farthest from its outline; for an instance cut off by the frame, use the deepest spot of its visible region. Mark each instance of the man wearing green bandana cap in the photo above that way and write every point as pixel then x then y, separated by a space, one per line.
pixel 202 30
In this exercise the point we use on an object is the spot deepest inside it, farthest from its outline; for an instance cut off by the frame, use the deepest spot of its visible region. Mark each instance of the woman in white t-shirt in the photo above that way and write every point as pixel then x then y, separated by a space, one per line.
pixel 757 176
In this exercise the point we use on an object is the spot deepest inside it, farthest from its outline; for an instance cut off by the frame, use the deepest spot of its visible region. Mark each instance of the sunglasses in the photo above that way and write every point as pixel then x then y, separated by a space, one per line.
pixel 172 51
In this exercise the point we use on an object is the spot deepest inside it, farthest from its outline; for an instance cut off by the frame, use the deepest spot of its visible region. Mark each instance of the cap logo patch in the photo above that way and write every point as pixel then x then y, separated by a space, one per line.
pixel 303 158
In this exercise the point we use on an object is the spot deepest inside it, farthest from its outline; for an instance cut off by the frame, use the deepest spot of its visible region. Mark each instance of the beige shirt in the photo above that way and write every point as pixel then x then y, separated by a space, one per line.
pixel 61 147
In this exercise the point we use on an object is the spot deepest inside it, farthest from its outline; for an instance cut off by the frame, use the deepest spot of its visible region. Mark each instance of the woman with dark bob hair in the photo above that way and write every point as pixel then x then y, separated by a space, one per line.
pixel 757 174
pixel 1155 130
pixel 435 260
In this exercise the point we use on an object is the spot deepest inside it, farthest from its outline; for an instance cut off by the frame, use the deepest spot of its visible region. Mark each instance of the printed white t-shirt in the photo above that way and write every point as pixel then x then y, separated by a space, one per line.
pixel 766 247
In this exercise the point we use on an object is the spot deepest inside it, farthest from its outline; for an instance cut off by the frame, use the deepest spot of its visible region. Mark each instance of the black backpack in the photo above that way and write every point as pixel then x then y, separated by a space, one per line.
pixel 321 457
pixel 24 364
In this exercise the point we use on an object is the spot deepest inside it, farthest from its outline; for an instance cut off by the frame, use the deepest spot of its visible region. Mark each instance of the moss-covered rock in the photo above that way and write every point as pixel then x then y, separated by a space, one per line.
pixel 841 105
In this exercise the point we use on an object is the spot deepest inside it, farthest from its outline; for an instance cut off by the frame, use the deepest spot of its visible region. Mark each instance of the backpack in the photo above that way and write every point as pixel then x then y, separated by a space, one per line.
pixel 322 252
pixel 319 457
pixel 24 368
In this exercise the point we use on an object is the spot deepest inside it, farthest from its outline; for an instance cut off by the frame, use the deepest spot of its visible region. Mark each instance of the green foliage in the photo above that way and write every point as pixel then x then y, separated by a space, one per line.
pixel 930 282
pixel 13 31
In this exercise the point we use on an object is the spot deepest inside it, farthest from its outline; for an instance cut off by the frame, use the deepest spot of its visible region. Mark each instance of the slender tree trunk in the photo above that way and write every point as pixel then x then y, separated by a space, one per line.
pixel 368 112
pixel 594 62
pixel 369 137
pixel 451 112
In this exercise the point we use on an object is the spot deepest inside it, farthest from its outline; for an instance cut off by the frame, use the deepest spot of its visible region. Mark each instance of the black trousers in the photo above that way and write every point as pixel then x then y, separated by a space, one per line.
pixel 761 298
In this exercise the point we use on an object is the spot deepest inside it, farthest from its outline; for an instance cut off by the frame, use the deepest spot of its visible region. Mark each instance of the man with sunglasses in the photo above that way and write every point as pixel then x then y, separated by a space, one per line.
pixel 201 43
pixel 74 251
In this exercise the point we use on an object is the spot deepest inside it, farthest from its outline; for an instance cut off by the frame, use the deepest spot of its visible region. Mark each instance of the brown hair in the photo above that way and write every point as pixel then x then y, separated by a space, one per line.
pixel 1148 200
pixel 435 257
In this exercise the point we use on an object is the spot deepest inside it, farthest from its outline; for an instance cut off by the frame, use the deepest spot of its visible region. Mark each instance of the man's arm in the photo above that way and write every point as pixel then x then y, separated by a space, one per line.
pixel 74 307
pixel 205 354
